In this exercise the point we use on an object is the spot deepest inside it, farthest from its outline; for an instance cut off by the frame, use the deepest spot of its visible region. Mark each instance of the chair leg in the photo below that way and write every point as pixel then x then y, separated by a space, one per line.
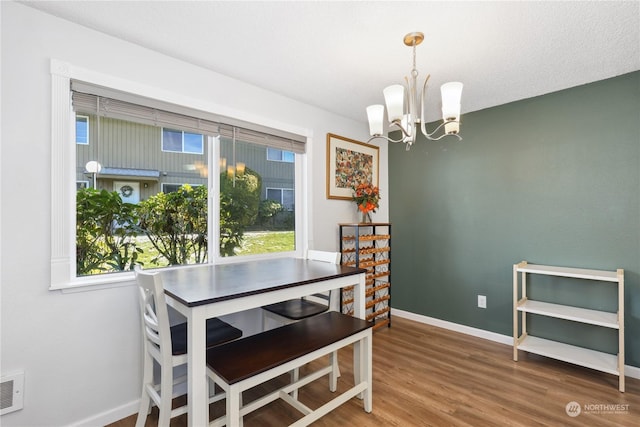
pixel 213 396
pixel 295 376
pixel 143 410
pixel 145 400
pixel 233 407
pixel 263 320
pixel 166 394
pixel 240 406
pixel 335 371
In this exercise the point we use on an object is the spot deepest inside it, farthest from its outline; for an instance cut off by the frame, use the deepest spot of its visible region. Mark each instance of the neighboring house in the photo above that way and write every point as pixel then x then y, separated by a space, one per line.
pixel 139 160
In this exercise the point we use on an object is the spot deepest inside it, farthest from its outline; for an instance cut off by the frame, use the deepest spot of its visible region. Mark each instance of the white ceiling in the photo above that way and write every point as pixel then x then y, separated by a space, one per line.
pixel 339 55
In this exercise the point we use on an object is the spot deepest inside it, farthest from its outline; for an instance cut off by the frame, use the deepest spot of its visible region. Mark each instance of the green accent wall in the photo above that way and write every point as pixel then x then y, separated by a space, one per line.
pixel 551 180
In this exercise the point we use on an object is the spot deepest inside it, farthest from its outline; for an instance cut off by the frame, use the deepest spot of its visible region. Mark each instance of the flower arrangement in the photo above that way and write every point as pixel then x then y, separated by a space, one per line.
pixel 366 196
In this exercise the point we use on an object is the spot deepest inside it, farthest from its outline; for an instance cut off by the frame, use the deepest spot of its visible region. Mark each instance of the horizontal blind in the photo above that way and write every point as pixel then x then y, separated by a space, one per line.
pixel 113 108
pixel 92 99
pixel 260 138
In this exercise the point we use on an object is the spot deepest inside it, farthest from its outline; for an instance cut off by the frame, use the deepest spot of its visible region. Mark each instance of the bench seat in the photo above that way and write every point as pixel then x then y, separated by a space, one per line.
pixel 247 362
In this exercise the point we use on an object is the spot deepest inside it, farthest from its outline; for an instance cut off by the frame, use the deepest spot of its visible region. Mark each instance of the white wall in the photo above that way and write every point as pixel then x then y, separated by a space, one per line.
pixel 81 351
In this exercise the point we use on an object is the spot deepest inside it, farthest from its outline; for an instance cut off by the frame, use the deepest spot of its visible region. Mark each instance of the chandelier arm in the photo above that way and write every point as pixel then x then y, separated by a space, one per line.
pixel 411 100
pixel 446 134
pixel 398 123
pixel 422 96
pixel 430 135
pixel 385 137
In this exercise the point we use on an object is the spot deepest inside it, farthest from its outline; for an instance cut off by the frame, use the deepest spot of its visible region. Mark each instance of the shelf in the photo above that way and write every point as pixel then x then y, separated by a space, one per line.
pixel 374 277
pixel 380 312
pixel 366 237
pixel 366 251
pixel 576 314
pixel 368 246
pixel 367 263
pixel 604 362
pixel 372 290
pixel 578 273
pixel 373 303
pixel 364 224
pixel 522 305
pixel 380 323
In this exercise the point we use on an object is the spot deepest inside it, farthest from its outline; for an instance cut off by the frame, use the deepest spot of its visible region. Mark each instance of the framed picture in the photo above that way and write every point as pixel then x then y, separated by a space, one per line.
pixel 349 163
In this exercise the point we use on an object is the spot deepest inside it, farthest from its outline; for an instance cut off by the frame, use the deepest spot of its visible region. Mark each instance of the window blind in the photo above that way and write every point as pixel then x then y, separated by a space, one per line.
pixel 106 102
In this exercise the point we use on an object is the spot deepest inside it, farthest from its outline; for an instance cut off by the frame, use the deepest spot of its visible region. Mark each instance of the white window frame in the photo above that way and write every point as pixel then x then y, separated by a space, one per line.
pixel 63 177
pixel 182 149
pixel 282 190
pixel 88 133
pixel 281 159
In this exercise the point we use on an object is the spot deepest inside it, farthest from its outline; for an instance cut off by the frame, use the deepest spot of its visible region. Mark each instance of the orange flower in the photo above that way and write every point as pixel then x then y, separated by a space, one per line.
pixel 366 197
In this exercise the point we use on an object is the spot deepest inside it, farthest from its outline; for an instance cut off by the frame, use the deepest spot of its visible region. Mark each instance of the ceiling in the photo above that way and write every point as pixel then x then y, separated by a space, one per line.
pixel 339 55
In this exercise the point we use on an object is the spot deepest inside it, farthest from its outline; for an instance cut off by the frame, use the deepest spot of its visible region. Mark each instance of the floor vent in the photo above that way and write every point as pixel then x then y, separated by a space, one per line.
pixel 11 391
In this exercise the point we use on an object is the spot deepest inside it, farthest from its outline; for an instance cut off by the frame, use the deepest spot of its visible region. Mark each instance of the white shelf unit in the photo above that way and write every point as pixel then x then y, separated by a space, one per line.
pixel 605 362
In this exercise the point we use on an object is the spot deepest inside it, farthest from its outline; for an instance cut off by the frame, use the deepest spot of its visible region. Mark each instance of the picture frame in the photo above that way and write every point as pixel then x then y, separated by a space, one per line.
pixel 349 163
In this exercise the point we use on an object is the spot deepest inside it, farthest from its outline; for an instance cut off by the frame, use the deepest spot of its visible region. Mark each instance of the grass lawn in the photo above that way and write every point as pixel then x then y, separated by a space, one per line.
pixel 266 241
pixel 258 242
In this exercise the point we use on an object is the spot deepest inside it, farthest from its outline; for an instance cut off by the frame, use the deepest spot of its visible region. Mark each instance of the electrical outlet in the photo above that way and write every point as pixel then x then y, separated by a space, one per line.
pixel 482 301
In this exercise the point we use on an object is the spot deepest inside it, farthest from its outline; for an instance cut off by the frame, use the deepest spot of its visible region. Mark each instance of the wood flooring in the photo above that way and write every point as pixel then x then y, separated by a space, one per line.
pixel 428 376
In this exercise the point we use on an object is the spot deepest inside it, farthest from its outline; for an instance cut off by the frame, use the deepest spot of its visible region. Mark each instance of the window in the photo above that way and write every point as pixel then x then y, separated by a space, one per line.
pixel 284 196
pixel 178 141
pixel 245 189
pixel 172 188
pixel 167 225
pixel 277 155
pixel 82 130
pixel 126 150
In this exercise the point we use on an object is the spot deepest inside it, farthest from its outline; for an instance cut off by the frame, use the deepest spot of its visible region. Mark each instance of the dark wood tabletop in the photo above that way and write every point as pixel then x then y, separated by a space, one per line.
pixel 206 284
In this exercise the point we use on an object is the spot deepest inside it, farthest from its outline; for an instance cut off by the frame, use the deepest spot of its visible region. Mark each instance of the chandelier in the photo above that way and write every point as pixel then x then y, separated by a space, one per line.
pixel 402 106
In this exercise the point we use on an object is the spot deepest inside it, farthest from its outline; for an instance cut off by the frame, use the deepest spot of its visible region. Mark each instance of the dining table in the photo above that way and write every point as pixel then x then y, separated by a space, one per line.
pixel 204 291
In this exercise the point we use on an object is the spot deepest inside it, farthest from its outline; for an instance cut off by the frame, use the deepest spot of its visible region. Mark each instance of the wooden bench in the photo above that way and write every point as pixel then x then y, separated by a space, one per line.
pixel 247 362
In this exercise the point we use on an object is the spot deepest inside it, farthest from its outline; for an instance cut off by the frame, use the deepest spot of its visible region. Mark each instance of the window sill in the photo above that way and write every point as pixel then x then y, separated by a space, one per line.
pixel 83 284
pixel 127 278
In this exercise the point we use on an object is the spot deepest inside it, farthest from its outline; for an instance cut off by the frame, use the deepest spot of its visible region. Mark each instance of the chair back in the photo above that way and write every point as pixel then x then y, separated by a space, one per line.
pixel 328 298
pixel 156 330
pixel 332 257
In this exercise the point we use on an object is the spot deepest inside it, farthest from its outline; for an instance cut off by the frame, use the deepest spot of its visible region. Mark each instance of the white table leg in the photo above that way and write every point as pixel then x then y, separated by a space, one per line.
pixel 367 371
pixel 360 312
pixel 197 372
pixel 358 297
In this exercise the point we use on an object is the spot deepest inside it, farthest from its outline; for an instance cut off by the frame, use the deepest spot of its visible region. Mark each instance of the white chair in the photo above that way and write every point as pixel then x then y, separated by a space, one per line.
pixel 167 345
pixel 294 310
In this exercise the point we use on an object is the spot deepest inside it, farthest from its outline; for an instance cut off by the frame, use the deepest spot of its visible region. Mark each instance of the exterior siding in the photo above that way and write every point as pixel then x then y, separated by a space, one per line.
pixel 124 144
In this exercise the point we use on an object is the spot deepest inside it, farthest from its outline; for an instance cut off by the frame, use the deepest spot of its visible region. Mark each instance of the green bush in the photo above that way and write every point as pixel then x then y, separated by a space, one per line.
pixel 105 232
pixel 239 206
pixel 176 224
pixel 268 211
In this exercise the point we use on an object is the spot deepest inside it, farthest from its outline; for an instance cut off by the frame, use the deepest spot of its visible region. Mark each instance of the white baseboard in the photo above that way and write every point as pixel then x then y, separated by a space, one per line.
pixel 629 371
pixel 124 411
pixel 110 416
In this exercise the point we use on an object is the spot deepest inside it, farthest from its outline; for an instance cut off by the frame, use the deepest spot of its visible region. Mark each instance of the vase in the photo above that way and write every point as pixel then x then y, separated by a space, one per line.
pixel 366 217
